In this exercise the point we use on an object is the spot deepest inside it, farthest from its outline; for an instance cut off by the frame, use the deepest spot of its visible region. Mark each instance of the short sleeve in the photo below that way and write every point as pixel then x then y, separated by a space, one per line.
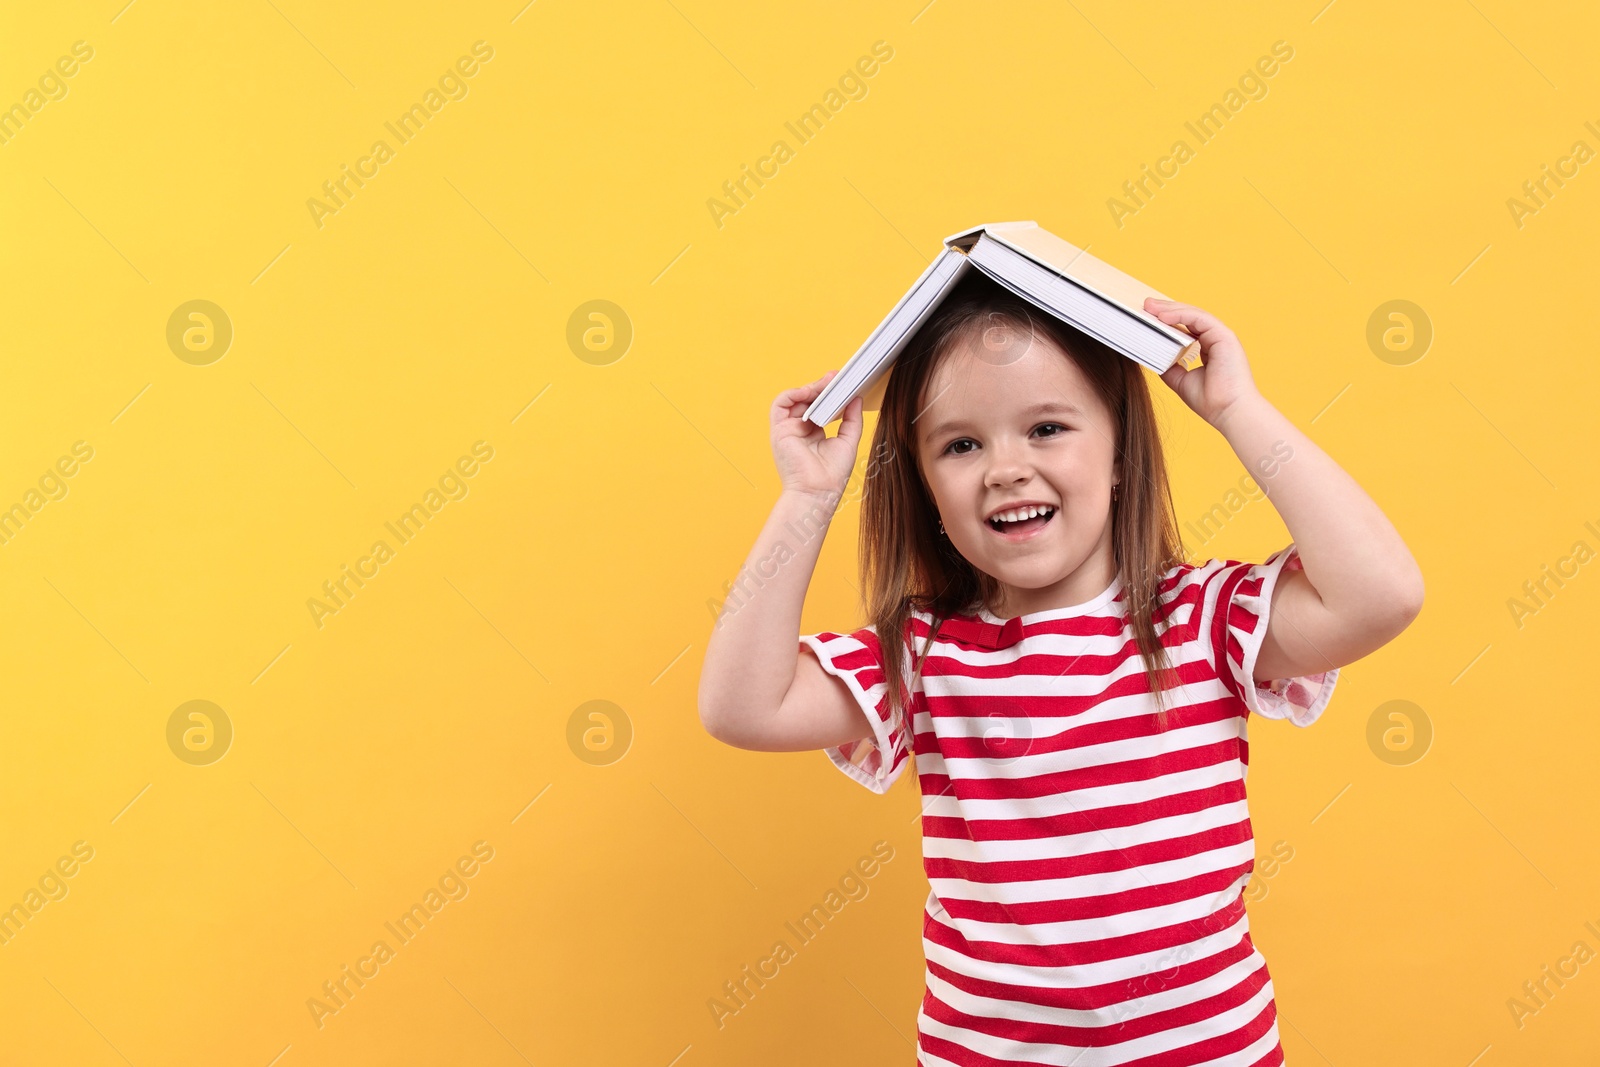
pixel 856 658
pixel 1238 602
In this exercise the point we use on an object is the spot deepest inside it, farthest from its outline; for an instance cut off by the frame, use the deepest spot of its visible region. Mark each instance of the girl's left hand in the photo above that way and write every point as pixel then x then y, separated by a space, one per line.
pixel 1223 378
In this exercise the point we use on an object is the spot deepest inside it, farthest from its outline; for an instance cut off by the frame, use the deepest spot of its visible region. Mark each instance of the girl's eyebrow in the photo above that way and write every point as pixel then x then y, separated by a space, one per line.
pixel 1044 407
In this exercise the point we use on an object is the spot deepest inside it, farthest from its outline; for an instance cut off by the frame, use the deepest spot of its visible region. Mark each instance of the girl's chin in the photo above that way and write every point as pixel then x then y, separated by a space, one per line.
pixel 1037 566
pixel 1036 574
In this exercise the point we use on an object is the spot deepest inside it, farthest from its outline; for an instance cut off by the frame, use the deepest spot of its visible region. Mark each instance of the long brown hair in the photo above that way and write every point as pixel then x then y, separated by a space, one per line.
pixel 905 564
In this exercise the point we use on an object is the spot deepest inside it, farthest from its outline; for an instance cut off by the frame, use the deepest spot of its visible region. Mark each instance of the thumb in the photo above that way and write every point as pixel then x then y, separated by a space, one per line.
pixel 850 423
pixel 1175 374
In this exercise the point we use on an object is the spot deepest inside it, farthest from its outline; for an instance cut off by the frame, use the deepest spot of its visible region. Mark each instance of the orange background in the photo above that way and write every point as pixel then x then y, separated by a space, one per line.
pixel 637 865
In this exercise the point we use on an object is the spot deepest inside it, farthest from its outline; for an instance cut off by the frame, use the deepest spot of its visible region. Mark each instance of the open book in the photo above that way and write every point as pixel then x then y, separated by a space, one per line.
pixel 1061 278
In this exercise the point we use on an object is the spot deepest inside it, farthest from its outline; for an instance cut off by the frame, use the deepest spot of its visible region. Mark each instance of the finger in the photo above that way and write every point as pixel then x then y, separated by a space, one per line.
pixel 792 419
pixel 1200 323
pixel 789 397
pixel 790 404
pixel 1174 375
pixel 850 423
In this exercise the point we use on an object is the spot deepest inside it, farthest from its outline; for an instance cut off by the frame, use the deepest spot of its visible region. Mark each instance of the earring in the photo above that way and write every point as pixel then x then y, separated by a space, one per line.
pixel 941 527
pixel 1114 492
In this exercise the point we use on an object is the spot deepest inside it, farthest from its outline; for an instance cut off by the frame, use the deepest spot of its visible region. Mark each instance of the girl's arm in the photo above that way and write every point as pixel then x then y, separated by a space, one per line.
pixel 1360 586
pixel 759 687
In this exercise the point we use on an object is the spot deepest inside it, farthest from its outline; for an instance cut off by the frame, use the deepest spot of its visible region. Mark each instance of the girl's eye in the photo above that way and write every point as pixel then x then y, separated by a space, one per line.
pixel 1045 429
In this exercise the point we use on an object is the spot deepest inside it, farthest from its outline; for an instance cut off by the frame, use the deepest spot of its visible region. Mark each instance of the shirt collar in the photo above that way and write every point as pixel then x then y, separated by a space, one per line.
pixel 971 630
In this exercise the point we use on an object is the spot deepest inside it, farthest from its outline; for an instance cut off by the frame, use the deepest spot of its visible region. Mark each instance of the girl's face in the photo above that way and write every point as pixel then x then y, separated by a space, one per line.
pixel 1008 419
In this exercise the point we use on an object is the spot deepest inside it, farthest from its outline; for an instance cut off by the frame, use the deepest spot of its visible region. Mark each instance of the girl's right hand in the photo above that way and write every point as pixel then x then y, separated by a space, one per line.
pixel 809 461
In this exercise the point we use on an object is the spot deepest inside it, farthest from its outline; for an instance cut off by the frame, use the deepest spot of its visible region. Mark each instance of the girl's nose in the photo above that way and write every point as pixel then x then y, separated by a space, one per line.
pixel 1007 465
pixel 1007 479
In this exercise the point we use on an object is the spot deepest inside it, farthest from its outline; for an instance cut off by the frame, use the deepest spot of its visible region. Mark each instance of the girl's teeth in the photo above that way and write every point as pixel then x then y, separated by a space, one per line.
pixel 1021 514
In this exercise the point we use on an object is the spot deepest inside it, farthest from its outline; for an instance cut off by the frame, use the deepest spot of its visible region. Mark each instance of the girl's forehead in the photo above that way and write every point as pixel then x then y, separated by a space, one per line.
pixel 1002 369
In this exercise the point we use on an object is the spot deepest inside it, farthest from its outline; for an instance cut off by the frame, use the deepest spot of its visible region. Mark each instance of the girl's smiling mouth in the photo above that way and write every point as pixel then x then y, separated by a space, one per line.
pixel 1026 521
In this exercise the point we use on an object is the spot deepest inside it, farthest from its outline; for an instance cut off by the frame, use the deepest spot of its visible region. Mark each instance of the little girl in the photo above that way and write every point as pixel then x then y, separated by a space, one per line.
pixel 1073 695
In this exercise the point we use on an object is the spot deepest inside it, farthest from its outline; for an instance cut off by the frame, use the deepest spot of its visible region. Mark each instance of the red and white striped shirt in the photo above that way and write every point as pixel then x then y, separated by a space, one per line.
pixel 1086 867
